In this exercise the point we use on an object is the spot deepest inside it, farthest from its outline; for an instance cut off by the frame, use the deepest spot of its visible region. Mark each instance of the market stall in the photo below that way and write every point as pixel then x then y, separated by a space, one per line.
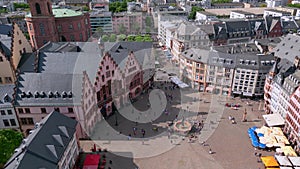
pixel 269 161
pixel 283 161
pixel 295 161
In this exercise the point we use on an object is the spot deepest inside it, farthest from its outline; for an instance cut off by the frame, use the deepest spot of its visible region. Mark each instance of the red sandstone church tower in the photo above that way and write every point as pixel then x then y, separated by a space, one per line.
pixel 57 24
pixel 41 23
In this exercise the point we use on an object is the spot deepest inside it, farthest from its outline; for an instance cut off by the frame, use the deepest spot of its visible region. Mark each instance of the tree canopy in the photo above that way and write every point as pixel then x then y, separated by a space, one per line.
pixel 194 11
pixel 294 5
pixel 21 5
pixel 9 141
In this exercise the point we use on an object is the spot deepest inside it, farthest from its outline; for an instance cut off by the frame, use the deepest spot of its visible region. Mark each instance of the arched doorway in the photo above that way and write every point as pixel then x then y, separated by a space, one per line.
pixel 63 39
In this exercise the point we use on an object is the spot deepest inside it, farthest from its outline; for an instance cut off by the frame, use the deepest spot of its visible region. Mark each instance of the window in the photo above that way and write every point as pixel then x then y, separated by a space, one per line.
pixel 1 80
pixel 30 27
pixel 20 42
pixel 48 6
pixel 30 121
pixel 72 38
pixel 6 123
pixel 70 110
pixel 59 28
pixel 38 8
pixel 20 111
pixel 2 112
pixel 71 27
pixel 42 29
pixel 9 112
pixel 8 80
pixel 27 110
pixel 23 121
pixel 43 110
pixel 86 21
pixel 79 26
pixel 1 59
pixel 56 109
pixel 80 37
pixel 13 122
pixel 107 74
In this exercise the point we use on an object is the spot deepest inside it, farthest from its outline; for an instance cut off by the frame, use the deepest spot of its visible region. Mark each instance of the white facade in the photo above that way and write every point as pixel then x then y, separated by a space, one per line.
pixel 238 15
pixel 275 13
pixel 164 30
pixel 70 155
pixel 8 119
pixel 205 16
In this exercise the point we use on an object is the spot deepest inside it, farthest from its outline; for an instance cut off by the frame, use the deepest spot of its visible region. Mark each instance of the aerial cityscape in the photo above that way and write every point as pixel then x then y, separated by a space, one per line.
pixel 149 84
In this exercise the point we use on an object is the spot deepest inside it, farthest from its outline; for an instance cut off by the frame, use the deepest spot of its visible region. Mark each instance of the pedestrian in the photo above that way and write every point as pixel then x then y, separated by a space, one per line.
pixel 210 151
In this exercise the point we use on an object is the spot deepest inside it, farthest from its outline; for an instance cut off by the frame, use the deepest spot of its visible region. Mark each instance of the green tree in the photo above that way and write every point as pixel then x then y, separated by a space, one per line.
pixel 194 11
pixel 122 29
pixel 105 38
pixel 99 31
pixel 139 38
pixel 294 5
pixel 112 38
pixel 85 8
pixel 147 39
pixel 263 5
pixel 130 38
pixel 9 141
pixel 21 5
pixel 121 37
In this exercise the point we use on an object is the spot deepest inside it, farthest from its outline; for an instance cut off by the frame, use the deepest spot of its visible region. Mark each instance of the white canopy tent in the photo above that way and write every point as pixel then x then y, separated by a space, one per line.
pixel 178 82
pixel 295 161
pixel 273 120
pixel 283 161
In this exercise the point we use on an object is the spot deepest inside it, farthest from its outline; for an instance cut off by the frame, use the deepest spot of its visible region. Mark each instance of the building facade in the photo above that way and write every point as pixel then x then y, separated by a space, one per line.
pixel 51 144
pixel 127 23
pixel 8 118
pixel 47 24
pixel 101 20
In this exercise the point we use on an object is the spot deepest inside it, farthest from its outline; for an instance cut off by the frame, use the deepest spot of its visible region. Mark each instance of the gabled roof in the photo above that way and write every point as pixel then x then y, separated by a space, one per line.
pixel 287 25
pixel 271 22
pixel 43 148
pixel 120 51
pixel 5 29
pixel 6 92
pixel 5 45
pixel 288 48
pixel 196 54
pixel 187 29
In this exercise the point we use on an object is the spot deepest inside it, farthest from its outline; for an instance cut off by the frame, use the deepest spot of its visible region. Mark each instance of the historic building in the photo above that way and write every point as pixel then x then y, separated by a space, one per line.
pixel 281 93
pixel 47 24
pixel 52 143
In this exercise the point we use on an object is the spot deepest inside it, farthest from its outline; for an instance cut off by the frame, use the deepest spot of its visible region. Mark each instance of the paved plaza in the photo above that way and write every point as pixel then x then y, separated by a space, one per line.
pixel 162 149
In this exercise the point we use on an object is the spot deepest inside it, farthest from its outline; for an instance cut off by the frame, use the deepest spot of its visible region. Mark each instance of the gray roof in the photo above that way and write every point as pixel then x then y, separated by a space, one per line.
pixel 42 88
pixel 187 29
pixel 243 12
pixel 288 48
pixel 5 45
pixel 120 50
pixel 45 147
pixel 5 29
pixel 60 69
pixel 6 95
pixel 237 26
pixel 196 54
pixel 289 25
pixel 240 56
